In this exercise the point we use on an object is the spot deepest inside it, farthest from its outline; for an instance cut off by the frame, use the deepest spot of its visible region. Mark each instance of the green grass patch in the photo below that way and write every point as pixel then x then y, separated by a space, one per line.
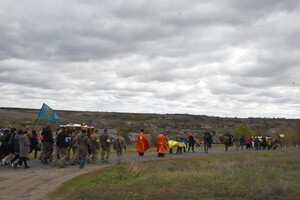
pixel 259 175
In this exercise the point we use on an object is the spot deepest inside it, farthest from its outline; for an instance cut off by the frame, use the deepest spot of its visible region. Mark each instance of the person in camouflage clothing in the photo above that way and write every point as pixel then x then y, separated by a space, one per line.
pixel 119 145
pixel 55 154
pixel 105 143
pixel 95 146
pixel 47 144
pixel 74 147
pixel 62 143
pixel 83 143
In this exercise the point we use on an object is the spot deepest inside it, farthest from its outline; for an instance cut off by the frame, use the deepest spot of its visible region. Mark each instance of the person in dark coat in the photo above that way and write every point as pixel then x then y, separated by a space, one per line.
pixel 34 143
pixel 207 141
pixel 192 142
pixel 4 144
pixel 242 141
pixel 9 154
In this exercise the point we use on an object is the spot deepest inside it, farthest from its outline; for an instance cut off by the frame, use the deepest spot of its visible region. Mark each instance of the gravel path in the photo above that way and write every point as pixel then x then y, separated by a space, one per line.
pixel 36 182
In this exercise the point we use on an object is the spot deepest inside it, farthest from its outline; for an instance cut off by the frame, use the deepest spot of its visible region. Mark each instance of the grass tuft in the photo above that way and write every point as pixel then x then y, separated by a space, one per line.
pixel 259 175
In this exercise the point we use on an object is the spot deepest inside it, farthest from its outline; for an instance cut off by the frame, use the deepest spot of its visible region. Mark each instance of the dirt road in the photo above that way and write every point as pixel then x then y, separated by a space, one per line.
pixel 36 182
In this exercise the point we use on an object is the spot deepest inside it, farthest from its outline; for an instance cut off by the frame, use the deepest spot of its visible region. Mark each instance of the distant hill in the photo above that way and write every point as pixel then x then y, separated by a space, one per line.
pixel 21 117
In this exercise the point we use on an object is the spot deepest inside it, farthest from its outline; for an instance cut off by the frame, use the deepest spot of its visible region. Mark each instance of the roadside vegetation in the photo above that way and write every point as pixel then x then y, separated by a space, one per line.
pixel 247 175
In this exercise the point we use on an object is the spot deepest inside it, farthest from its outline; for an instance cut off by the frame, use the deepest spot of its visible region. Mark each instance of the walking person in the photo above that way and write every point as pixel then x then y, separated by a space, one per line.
pixel 207 141
pixel 248 143
pixel 16 148
pixel 142 143
pixel 83 143
pixel 74 159
pixel 4 139
pixel 192 142
pixel 24 143
pixel 119 145
pixel 9 151
pixel 242 142
pixel 62 143
pixel 105 143
pixel 161 145
pixel 181 144
pixel 47 144
pixel 55 154
pixel 95 146
pixel 34 143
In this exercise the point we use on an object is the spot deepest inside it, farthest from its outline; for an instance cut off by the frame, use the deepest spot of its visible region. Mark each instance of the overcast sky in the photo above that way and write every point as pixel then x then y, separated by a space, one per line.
pixel 229 58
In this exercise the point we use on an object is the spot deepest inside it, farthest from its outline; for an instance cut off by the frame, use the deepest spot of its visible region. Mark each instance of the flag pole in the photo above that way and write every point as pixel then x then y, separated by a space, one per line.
pixel 35 122
pixel 36 119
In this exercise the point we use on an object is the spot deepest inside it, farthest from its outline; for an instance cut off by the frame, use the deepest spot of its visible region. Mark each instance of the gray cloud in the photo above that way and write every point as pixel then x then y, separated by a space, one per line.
pixel 229 58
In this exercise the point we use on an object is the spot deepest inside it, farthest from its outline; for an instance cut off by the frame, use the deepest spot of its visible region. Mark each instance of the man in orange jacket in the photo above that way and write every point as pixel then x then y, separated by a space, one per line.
pixel 161 145
pixel 142 143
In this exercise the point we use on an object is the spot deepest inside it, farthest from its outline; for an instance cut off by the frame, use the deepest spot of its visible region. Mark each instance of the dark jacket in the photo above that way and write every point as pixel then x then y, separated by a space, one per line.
pixel 105 141
pixel 191 140
pixel 83 143
pixel 16 144
pixel 47 135
pixel 34 140
pixel 61 141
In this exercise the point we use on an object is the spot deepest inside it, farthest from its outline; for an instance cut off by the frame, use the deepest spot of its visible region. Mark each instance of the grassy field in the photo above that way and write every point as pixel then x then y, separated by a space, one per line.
pixel 259 175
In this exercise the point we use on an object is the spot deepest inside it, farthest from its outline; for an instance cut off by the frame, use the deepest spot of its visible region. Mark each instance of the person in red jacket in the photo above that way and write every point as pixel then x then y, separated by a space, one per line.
pixel 142 143
pixel 161 145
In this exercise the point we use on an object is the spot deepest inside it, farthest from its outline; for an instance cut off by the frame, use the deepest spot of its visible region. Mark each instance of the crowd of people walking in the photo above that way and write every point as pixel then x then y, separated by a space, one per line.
pixel 81 144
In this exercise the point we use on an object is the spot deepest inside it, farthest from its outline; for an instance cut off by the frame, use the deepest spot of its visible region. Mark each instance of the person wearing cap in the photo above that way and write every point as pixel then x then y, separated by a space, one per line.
pixel 161 145
pixel 142 143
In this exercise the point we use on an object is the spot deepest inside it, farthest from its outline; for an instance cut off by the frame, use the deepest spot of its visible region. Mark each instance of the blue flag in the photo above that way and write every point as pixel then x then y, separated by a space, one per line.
pixel 48 114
